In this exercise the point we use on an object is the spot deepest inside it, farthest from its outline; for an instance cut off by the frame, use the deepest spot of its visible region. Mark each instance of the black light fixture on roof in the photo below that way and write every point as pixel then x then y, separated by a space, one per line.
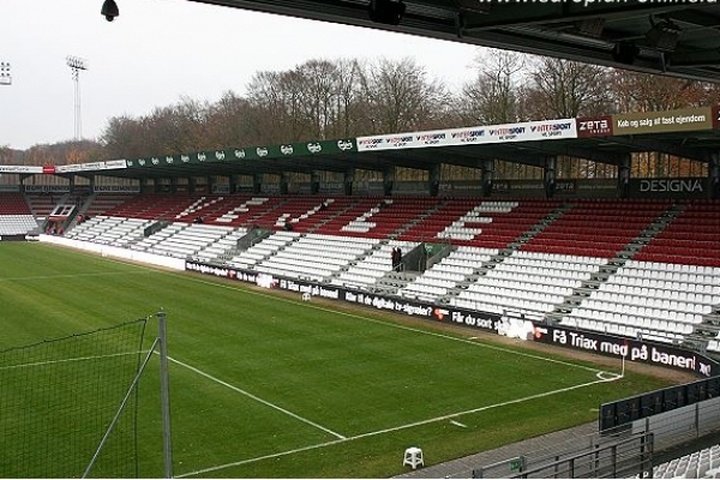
pixel 389 12
pixel 663 35
pixel 592 27
pixel 109 10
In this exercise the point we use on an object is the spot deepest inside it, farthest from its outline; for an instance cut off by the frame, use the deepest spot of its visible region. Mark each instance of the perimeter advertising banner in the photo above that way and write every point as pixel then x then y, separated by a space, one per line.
pixel 258 152
pixel 446 314
pixel 511 132
pixel 116 189
pixel 470 188
pixel 20 169
pixel 289 150
pixel 47 188
pixel 632 350
pixel 601 126
pixel 692 187
pixel 683 120
pixel 87 167
pixel 597 188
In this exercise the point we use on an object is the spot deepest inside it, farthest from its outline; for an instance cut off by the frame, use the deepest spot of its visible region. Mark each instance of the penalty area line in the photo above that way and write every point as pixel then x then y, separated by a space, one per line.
pixel 256 398
pixel 449 416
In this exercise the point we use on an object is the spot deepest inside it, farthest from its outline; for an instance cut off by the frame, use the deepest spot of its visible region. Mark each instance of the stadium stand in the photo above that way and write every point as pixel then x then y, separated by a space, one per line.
pixel 41 204
pixel 704 463
pixel 446 275
pixel 374 272
pixel 299 258
pixel 221 249
pixel 114 231
pixel 650 273
pixel 100 203
pixel 182 240
pixel 15 215
pixel 13 204
pixel 596 228
pixel 249 258
pixel 692 237
pixel 658 301
pixel 529 283
pixel 155 206
pixel 488 224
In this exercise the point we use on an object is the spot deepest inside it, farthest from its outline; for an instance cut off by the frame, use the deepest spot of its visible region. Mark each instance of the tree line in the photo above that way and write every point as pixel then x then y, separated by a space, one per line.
pixel 325 99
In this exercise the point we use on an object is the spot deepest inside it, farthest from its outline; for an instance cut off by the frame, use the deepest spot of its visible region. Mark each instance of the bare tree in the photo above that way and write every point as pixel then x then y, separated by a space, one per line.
pixel 636 91
pixel 563 88
pixel 319 89
pixel 228 122
pixel 124 137
pixel 494 95
pixel 350 103
pixel 401 97
pixel 276 100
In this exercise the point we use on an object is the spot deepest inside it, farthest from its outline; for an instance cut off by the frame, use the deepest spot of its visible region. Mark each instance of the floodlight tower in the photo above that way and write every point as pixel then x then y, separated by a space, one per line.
pixel 76 64
pixel 5 77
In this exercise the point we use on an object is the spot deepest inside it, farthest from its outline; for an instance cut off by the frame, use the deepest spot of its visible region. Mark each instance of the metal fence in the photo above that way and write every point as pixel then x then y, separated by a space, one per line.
pixel 626 451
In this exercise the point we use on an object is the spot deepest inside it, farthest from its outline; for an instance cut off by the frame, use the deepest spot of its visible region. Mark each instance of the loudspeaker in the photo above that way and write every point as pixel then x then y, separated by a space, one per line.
pixel 389 12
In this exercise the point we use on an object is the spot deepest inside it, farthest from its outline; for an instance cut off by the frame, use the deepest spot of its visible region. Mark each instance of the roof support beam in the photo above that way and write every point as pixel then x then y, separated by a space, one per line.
pixel 648 145
pixel 702 58
pixel 576 152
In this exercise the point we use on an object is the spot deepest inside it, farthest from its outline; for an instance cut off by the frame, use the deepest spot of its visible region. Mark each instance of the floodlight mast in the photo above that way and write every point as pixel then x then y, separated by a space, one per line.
pixel 76 64
pixel 5 76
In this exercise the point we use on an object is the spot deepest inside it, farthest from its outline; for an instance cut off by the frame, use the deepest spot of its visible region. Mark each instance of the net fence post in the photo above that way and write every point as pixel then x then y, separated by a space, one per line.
pixel 165 394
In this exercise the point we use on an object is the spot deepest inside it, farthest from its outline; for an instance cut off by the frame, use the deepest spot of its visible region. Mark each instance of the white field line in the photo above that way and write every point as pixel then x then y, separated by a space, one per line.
pixel 367 319
pixel 448 337
pixel 185 276
pixel 458 424
pixel 395 429
pixel 66 360
pixel 257 399
pixel 602 376
pixel 68 275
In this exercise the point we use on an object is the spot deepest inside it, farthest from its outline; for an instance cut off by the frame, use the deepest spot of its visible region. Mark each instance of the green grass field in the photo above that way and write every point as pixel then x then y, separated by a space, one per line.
pixel 263 385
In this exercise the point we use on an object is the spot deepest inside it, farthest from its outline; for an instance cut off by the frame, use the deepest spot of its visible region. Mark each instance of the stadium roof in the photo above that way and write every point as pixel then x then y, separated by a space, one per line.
pixel 692 133
pixel 674 37
pixel 695 145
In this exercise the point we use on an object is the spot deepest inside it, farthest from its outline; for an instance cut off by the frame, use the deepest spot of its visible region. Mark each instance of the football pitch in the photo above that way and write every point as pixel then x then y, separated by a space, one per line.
pixel 264 385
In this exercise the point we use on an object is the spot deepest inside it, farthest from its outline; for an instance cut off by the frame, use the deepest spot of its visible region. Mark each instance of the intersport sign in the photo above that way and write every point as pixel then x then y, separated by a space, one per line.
pixel 511 132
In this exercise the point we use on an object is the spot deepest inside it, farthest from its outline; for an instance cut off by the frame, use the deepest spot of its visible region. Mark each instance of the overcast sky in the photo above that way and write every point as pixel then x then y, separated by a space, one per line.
pixel 159 50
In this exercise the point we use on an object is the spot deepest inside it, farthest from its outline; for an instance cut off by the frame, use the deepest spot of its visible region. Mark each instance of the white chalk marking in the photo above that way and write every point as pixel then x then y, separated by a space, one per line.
pixel 392 429
pixel 257 399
